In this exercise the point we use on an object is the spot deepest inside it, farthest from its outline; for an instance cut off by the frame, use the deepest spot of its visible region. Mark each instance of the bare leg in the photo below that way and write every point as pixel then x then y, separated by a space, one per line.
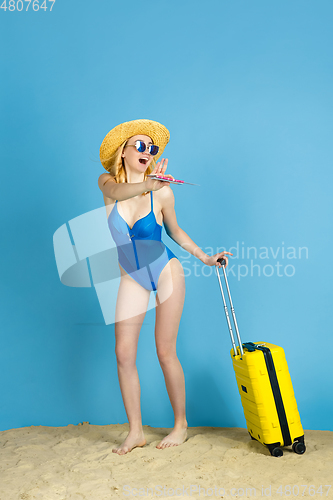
pixel 132 302
pixel 171 292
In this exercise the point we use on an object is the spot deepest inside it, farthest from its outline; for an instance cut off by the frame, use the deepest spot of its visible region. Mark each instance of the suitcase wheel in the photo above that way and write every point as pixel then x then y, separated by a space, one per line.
pixel 299 447
pixel 276 452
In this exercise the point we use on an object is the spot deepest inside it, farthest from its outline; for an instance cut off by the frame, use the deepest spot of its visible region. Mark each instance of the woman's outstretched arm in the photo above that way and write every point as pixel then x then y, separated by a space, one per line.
pixel 185 242
pixel 121 191
pixel 179 236
pixel 125 190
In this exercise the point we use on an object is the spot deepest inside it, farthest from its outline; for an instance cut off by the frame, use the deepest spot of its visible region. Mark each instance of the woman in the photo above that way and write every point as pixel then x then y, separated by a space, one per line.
pixel 129 153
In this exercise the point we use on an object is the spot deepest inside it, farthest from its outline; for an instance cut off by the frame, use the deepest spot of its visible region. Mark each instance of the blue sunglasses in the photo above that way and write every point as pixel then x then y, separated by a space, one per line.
pixel 141 147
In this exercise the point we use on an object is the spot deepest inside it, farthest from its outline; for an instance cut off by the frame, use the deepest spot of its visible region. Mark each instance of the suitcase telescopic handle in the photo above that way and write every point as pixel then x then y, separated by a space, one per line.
pixel 223 262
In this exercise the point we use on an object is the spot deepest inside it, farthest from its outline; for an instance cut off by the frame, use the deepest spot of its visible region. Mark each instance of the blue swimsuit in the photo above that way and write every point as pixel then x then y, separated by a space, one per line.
pixel 141 251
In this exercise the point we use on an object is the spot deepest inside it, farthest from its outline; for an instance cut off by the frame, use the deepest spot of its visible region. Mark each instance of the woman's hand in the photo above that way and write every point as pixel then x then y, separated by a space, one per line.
pixel 154 184
pixel 212 260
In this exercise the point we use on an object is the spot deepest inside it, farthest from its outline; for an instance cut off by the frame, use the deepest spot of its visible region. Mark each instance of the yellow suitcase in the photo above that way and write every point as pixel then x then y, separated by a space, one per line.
pixel 265 387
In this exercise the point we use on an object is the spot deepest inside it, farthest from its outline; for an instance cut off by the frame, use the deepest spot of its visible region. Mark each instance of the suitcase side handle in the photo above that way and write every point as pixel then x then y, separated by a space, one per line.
pixel 223 262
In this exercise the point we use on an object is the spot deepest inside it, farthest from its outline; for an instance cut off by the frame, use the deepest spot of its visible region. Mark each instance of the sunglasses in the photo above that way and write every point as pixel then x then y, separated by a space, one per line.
pixel 141 147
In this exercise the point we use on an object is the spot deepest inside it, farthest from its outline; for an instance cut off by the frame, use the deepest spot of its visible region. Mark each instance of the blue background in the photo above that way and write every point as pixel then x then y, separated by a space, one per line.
pixel 245 88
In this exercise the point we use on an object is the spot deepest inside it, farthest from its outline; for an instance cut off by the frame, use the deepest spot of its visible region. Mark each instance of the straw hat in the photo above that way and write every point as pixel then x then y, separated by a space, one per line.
pixel 159 134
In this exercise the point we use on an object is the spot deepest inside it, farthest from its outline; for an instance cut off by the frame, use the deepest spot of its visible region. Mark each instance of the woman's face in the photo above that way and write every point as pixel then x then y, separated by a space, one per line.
pixel 133 158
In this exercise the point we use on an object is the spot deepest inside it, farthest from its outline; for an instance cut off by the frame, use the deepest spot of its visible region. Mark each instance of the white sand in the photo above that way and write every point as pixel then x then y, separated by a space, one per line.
pixel 76 462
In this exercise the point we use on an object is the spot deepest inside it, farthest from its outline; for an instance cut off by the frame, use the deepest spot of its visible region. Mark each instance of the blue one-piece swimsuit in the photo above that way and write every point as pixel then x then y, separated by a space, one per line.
pixel 141 251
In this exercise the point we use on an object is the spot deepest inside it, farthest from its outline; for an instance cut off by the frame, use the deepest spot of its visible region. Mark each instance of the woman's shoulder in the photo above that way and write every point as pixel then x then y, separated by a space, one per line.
pixel 104 178
pixel 165 193
pixel 165 196
pixel 103 186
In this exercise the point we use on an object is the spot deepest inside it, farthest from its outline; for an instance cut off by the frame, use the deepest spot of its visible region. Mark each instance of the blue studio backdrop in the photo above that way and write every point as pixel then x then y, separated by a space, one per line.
pixel 245 88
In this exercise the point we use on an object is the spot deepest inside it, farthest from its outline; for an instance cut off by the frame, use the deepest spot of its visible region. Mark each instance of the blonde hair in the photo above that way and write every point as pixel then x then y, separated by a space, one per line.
pixel 116 167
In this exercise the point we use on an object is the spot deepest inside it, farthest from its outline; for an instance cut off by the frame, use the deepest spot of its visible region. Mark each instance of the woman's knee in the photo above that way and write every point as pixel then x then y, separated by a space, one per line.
pixel 126 348
pixel 125 358
pixel 166 354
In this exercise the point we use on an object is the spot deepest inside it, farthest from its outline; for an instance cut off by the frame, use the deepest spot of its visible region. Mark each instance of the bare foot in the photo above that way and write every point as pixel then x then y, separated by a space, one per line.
pixel 133 439
pixel 176 437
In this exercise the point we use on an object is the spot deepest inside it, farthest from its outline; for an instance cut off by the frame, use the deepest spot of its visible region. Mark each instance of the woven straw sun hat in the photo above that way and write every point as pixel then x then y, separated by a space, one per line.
pixel 158 133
